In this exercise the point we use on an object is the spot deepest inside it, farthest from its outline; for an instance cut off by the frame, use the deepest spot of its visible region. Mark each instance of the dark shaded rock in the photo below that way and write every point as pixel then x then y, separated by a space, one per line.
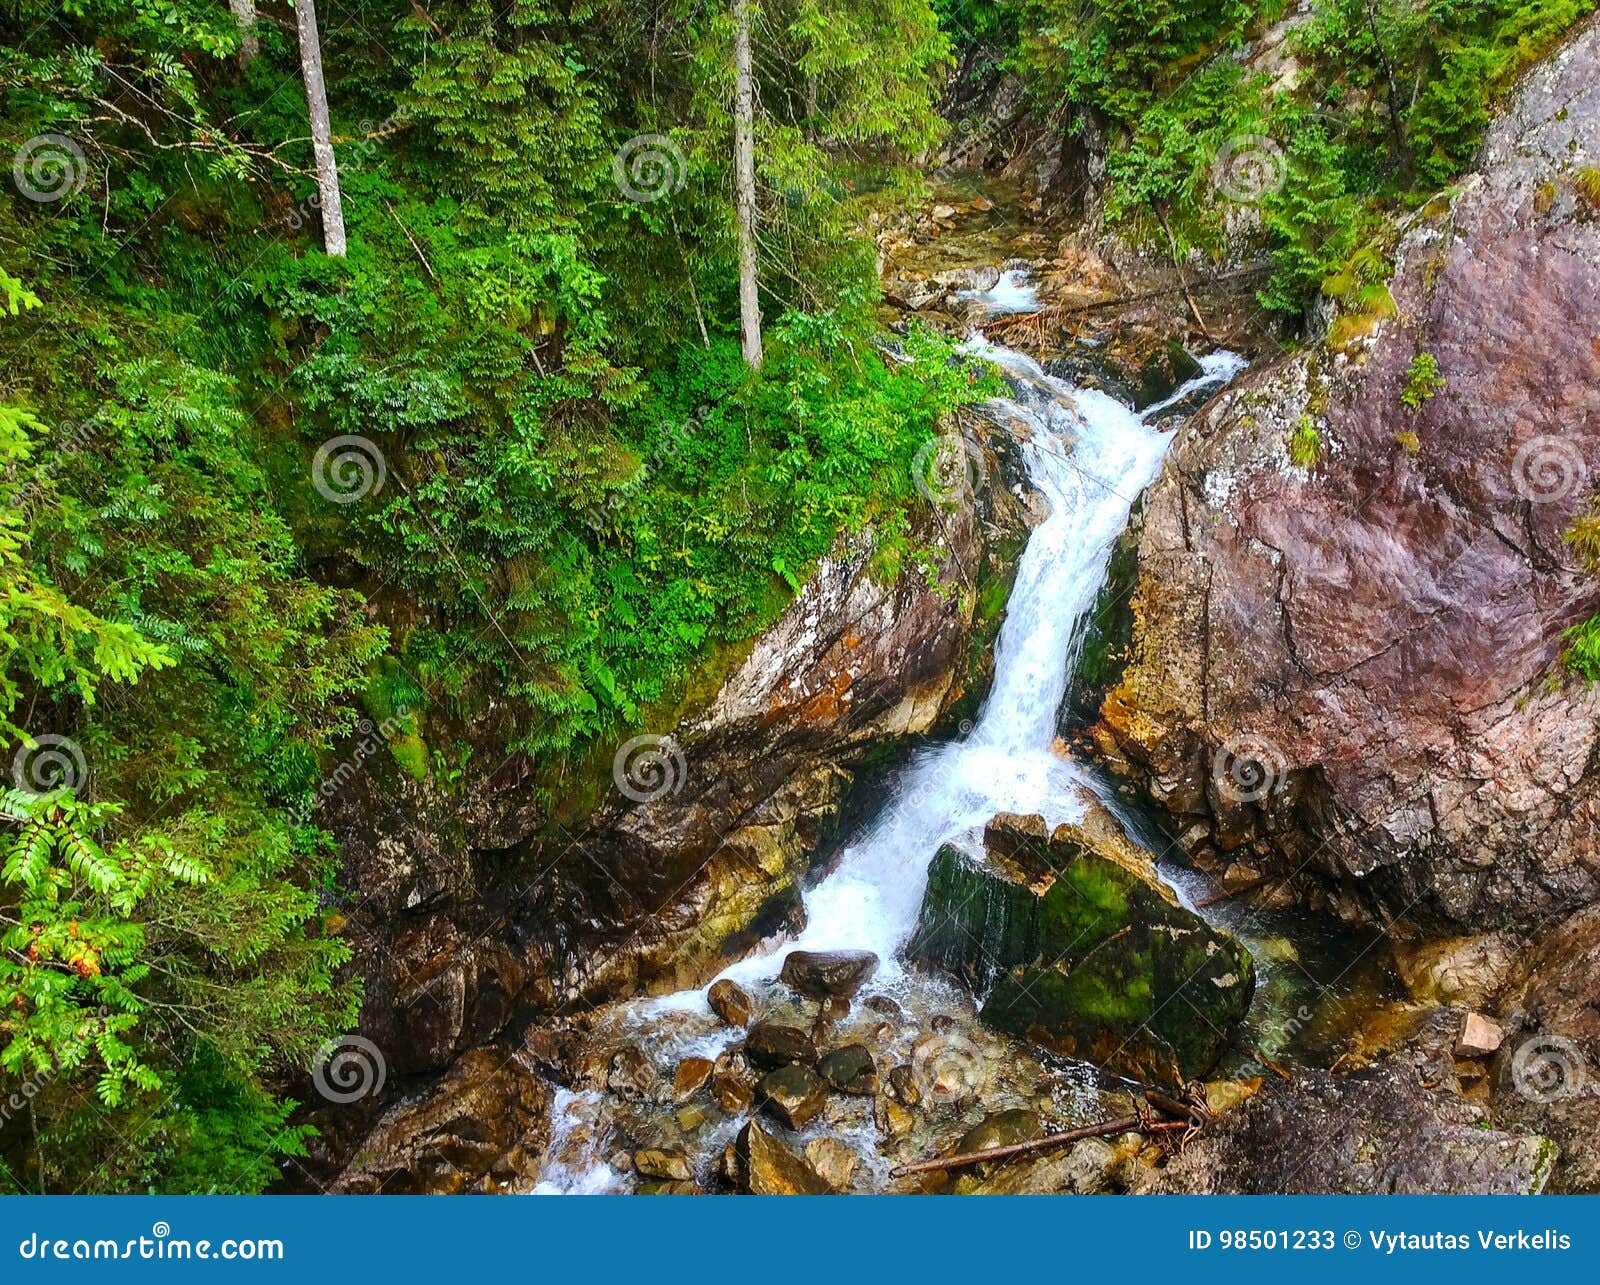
pixel 770 1046
pixel 1083 951
pixel 850 1070
pixel 794 1095
pixel 734 1095
pixel 481 1128
pixel 730 1002
pixel 763 1166
pixel 1374 1131
pixel 1010 833
pixel 886 1006
pixel 828 974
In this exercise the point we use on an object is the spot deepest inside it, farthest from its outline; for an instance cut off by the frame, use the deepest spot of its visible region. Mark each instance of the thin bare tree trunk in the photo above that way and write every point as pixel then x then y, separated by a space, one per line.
pixel 744 183
pixel 244 14
pixel 305 17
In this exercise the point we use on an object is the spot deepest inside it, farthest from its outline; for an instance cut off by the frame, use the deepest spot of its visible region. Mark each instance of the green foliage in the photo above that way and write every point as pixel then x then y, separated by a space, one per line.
pixel 1305 443
pixel 1423 381
pixel 1582 655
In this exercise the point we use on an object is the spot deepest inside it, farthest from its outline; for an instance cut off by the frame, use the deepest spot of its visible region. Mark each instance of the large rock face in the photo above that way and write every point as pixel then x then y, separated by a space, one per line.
pixel 1349 672
pixel 1082 950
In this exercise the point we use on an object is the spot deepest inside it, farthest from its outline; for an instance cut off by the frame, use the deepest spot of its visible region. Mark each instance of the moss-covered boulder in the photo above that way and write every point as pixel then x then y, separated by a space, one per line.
pixel 1081 949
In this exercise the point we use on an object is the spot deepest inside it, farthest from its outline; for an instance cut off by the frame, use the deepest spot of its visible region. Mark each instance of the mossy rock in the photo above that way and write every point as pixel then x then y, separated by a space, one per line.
pixel 1082 952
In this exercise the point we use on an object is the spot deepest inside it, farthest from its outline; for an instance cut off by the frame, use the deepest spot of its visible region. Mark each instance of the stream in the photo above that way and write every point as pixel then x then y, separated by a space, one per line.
pixel 1090 457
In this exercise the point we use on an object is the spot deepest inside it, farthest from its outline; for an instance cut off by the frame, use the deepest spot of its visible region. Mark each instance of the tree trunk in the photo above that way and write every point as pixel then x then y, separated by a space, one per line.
pixel 244 14
pixel 744 183
pixel 305 16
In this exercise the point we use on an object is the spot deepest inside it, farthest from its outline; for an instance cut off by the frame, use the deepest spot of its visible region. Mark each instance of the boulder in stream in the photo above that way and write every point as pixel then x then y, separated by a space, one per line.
pixel 794 1095
pixel 850 1070
pixel 763 1166
pixel 827 974
pixel 771 1046
pixel 731 1002
pixel 1082 950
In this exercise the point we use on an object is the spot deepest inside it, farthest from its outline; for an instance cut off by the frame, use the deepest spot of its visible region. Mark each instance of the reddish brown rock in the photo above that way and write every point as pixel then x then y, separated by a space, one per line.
pixel 1352 669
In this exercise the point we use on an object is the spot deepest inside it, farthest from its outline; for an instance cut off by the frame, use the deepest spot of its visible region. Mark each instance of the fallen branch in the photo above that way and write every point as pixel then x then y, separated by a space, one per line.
pixel 1190 1116
pixel 1122 1124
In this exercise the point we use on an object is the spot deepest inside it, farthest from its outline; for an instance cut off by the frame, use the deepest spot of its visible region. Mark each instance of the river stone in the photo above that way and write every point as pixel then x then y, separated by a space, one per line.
pixel 763 1166
pixel 793 1095
pixel 1084 952
pixel 690 1077
pixel 903 1086
pixel 1000 1129
pixel 630 1075
pixel 770 1046
pixel 827 974
pixel 730 1002
pixel 733 1094
pixel 833 1161
pixel 850 1070
pixel 673 1166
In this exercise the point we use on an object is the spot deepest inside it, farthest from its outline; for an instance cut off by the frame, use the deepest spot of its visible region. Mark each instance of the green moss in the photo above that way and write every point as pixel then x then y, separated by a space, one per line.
pixel 1305 443
pixel 1586 183
pixel 1423 382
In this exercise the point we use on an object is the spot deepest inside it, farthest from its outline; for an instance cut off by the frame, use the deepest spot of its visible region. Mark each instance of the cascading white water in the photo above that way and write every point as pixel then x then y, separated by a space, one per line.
pixel 1090 456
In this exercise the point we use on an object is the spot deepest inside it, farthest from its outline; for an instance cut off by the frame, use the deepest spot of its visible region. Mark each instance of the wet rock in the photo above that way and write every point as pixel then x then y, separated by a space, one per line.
pixel 850 1070
pixel 883 1004
pixel 730 1002
pixel 669 1165
pixel 690 1117
pixel 829 974
pixel 480 1129
pixel 1000 1129
pixel 1374 1131
pixel 794 1095
pixel 1457 970
pixel 1010 833
pixel 763 1166
pixel 1084 951
pixel 770 1046
pixel 734 1095
pixel 669 1189
pixel 1164 373
pixel 1479 1036
pixel 692 1075
pixel 630 1075
pixel 833 1162
pixel 903 1086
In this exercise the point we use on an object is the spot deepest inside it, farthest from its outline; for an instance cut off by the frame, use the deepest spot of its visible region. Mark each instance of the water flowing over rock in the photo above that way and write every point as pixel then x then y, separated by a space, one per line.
pixel 1347 672
pixel 1080 948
